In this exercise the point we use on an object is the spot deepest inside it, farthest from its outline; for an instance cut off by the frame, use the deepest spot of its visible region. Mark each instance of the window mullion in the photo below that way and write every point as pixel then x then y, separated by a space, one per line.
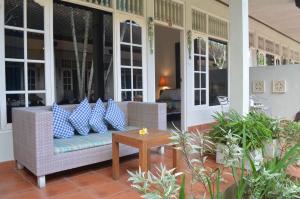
pixel 25 53
pixel 131 59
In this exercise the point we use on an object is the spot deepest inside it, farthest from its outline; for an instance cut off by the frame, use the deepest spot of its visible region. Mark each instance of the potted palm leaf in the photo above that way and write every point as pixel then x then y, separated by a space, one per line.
pixel 256 134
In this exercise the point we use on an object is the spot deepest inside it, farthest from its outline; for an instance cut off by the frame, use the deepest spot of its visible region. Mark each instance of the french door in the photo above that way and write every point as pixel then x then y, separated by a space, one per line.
pixel 130 43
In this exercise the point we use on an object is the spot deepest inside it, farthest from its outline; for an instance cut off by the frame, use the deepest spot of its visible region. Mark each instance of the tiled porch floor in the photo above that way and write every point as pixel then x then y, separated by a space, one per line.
pixel 88 182
pixel 93 181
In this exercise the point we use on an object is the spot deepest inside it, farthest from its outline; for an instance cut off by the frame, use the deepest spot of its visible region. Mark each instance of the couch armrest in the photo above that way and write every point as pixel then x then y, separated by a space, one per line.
pixel 149 115
pixel 32 137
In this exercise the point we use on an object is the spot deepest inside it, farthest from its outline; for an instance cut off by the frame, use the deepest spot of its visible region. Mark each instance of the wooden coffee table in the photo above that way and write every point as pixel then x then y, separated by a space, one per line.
pixel 144 143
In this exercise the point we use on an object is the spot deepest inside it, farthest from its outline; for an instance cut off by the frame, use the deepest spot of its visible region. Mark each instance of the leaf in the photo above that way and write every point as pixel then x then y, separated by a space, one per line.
pixel 182 188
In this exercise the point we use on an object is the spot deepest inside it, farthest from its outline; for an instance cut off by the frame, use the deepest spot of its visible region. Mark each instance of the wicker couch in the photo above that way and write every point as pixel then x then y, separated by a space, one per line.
pixel 34 143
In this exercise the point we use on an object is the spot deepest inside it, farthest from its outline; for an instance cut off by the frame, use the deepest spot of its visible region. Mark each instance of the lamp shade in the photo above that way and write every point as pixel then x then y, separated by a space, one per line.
pixel 163 81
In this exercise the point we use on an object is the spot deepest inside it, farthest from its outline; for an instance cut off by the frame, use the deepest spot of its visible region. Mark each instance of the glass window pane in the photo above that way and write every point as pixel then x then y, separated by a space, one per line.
pixel 35 15
pixel 203 47
pixel 196 63
pixel 136 34
pixel 196 46
pixel 137 79
pixel 203 97
pixel 203 80
pixel 218 71
pixel 203 64
pixel 35 42
pixel 126 78
pixel 125 32
pixel 98 81
pixel 14 76
pixel 270 60
pixel 36 76
pixel 197 97
pixel 197 80
pixel 14 44
pixel 125 55
pixel 126 96
pixel 14 13
pixel 37 99
pixel 12 101
pixel 138 96
pixel 137 56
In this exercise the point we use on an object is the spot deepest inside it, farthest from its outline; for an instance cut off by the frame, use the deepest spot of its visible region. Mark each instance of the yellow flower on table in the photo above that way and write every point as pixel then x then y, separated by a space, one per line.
pixel 143 131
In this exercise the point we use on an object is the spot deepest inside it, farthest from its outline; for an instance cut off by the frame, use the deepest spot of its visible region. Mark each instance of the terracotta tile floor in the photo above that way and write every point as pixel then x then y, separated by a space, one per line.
pixel 93 181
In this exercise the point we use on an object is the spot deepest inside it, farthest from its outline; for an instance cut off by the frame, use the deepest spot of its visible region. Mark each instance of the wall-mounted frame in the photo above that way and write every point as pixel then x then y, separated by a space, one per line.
pixel 258 86
pixel 279 86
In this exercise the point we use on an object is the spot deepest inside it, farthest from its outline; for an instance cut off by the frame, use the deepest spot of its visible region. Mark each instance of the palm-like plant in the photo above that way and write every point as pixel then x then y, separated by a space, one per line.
pixel 266 181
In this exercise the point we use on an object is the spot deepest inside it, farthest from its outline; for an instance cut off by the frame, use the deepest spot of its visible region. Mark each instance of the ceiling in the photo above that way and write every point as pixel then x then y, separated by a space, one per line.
pixel 282 15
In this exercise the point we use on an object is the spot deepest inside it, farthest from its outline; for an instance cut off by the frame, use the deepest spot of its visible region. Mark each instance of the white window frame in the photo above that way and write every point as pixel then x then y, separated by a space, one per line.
pixel 63 78
pixel 205 38
pixel 118 80
pixel 47 91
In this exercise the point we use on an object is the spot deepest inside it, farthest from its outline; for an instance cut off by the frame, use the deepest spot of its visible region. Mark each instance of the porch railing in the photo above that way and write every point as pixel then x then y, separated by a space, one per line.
pixel 169 11
pixel 131 6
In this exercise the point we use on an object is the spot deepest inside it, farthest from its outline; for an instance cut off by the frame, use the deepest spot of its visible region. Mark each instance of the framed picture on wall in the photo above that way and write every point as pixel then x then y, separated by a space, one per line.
pixel 279 86
pixel 258 86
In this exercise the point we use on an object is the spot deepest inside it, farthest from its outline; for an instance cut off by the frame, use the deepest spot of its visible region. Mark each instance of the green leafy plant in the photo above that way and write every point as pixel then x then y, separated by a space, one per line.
pixel 161 185
pixel 289 133
pixel 195 147
pixel 265 181
pixel 271 181
pixel 256 131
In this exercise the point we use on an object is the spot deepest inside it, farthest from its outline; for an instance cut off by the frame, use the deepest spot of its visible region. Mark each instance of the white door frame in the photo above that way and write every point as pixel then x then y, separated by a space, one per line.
pixel 183 79
pixel 121 17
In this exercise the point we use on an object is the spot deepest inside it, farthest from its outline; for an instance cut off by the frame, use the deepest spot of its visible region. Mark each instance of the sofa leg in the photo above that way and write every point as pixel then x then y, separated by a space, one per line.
pixel 19 166
pixel 41 180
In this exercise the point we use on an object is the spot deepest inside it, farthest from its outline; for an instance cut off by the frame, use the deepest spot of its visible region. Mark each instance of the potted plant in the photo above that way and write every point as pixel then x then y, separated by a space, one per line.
pixel 267 181
pixel 256 133
pixel 289 135
pixel 271 147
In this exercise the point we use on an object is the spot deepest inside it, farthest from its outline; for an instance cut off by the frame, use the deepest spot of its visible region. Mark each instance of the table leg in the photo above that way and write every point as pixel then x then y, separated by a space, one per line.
pixel 144 157
pixel 175 158
pixel 116 159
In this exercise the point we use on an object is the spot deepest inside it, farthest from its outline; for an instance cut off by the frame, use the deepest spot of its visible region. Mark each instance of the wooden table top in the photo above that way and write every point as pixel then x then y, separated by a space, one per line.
pixel 153 134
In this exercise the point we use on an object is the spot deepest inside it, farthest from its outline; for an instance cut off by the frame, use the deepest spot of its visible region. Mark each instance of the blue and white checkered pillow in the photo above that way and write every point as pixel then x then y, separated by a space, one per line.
pixel 62 128
pixel 80 118
pixel 115 116
pixel 97 121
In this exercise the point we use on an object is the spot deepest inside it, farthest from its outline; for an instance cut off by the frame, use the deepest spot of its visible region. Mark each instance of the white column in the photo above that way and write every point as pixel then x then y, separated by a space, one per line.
pixel 151 89
pixel 239 56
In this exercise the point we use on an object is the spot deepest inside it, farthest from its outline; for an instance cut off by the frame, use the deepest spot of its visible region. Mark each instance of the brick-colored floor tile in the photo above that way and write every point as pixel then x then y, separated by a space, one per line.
pixel 107 189
pixel 90 179
pixel 76 195
pixel 7 167
pixel 9 189
pixel 126 194
pixel 31 194
pixel 61 187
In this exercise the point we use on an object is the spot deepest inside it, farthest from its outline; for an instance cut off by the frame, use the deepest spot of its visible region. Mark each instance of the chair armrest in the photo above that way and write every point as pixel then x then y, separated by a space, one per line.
pixel 149 115
pixel 32 136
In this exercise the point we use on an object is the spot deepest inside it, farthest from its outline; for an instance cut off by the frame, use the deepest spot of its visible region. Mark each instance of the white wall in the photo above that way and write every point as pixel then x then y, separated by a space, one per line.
pixel 165 62
pixel 6 146
pixel 281 105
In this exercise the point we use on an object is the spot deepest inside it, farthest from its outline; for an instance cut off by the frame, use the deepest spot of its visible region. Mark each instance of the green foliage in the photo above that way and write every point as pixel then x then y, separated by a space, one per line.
pixel 256 126
pixel 182 188
pixel 161 185
pixel 240 135
pixel 290 132
pixel 271 180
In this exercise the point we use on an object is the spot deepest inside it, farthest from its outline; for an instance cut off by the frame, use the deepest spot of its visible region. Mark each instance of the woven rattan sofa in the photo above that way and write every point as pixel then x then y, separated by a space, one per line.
pixel 34 145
